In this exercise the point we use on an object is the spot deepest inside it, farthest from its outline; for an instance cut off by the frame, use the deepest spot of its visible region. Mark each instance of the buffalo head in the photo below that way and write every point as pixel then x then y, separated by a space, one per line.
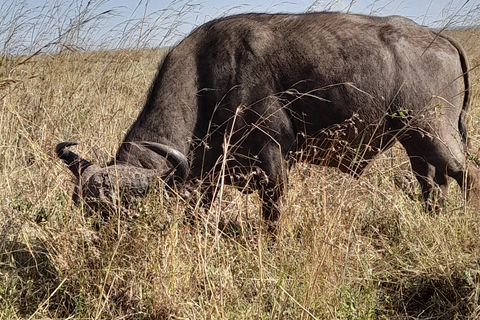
pixel 120 182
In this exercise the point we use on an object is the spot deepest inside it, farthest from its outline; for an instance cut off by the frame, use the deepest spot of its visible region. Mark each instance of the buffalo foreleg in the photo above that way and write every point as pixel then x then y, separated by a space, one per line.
pixel 270 195
pixel 270 182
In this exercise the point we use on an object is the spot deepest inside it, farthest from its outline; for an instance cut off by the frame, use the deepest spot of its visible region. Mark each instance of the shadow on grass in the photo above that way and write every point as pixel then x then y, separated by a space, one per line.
pixel 32 283
pixel 429 297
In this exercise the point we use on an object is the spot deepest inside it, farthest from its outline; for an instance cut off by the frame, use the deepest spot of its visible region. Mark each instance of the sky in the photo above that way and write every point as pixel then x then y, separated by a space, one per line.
pixel 27 26
pixel 435 13
pixel 429 12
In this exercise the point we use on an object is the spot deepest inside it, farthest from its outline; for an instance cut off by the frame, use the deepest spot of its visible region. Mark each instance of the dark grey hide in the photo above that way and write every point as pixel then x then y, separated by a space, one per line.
pixel 242 94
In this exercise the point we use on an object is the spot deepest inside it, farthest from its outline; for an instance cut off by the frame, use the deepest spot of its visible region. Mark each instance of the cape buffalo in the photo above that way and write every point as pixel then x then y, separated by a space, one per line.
pixel 243 94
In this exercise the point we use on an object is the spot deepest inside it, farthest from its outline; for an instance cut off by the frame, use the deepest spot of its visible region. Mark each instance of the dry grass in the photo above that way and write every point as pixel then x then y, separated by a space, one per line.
pixel 347 249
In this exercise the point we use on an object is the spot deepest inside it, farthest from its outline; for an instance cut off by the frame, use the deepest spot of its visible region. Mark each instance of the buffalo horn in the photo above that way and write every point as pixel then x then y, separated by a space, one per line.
pixel 73 161
pixel 175 157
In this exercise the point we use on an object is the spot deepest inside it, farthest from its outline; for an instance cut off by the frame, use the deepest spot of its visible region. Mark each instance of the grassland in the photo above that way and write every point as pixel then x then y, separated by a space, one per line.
pixel 347 249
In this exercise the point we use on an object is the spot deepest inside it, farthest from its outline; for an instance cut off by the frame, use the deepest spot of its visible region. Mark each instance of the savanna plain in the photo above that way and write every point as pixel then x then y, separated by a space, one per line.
pixel 346 248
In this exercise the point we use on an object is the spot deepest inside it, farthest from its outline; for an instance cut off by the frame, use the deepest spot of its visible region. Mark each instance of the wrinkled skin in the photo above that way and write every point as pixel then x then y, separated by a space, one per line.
pixel 241 94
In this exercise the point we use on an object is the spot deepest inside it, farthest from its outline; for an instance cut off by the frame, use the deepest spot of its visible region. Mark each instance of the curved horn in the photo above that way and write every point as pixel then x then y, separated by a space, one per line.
pixel 73 161
pixel 175 157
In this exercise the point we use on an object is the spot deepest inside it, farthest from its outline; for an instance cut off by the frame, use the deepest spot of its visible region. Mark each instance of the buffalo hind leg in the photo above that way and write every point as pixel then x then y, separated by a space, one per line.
pixel 433 159
pixel 473 185
pixel 428 177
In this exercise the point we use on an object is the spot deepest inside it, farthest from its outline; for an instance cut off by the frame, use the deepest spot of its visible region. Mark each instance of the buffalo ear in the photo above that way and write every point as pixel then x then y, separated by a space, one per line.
pixel 73 161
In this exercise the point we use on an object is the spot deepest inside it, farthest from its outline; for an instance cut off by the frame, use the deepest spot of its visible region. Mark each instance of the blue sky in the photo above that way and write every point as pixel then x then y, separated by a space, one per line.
pixel 423 11
pixel 50 25
pixel 435 13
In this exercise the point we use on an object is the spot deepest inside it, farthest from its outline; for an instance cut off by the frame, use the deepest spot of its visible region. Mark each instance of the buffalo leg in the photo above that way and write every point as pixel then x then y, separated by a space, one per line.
pixel 426 176
pixel 270 195
pixel 435 158
pixel 441 179
pixel 269 183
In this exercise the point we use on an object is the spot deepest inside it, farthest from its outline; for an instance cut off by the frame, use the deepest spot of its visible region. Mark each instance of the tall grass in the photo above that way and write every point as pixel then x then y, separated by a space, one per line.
pixel 346 248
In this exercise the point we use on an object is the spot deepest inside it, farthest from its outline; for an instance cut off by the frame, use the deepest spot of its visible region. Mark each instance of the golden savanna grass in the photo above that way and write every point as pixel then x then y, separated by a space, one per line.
pixel 346 248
